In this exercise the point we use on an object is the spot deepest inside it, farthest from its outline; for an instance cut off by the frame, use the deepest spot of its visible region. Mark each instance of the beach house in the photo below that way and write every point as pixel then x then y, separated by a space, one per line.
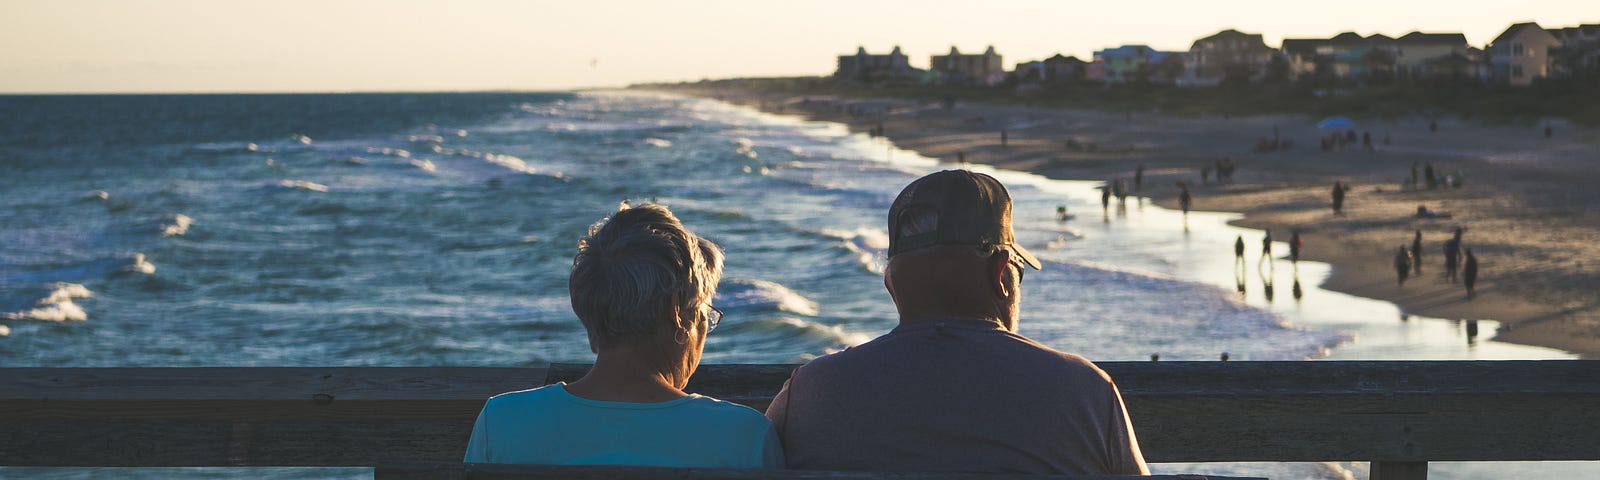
pixel 1347 57
pixel 1579 54
pixel 1422 56
pixel 1229 54
pixel 1521 54
pixel 983 69
pixel 1130 63
pixel 863 66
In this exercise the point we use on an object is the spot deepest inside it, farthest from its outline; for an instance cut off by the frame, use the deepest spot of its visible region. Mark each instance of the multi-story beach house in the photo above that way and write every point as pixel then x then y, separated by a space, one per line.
pixel 1054 70
pixel 1579 54
pixel 984 68
pixel 1521 54
pixel 1129 63
pixel 1229 54
pixel 1422 56
pixel 863 66
pixel 1346 56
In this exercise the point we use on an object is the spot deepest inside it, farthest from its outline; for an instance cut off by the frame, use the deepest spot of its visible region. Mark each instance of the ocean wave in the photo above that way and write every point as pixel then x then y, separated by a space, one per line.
pixel 425 165
pixel 302 185
pixel 57 306
pixel 178 226
pixel 139 265
pixel 759 295
pixel 867 243
pixel 656 142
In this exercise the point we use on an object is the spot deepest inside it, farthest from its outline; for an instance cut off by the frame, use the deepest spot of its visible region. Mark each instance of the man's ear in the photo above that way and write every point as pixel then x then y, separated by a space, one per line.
pixel 999 273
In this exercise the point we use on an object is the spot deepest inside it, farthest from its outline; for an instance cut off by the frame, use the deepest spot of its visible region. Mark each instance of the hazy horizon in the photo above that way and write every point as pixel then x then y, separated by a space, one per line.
pixel 359 46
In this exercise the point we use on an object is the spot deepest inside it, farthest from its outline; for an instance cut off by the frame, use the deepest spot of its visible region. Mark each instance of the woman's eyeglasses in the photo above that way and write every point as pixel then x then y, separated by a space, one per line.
pixel 712 319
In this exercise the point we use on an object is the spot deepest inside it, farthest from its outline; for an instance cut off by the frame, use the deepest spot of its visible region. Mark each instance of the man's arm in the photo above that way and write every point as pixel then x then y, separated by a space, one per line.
pixel 1121 443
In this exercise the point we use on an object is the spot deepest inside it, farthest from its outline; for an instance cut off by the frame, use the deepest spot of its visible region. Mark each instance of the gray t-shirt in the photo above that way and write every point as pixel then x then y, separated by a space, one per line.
pixel 955 395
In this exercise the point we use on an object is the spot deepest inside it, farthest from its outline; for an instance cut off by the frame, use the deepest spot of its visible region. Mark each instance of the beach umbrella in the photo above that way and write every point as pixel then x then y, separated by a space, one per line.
pixel 1336 122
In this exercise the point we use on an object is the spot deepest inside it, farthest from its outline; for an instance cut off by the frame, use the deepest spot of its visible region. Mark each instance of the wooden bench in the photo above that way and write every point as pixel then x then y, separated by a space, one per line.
pixel 469 471
pixel 1398 415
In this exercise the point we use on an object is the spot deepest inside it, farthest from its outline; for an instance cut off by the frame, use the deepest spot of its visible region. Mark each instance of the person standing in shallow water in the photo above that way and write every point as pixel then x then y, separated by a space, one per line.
pixel 1452 256
pixel 1238 249
pixel 1469 273
pixel 1402 266
pixel 1294 247
pixel 1338 198
pixel 1416 254
pixel 1266 247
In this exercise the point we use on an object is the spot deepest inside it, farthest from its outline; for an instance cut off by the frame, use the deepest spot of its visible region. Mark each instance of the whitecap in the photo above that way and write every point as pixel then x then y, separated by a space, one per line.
pixel 303 185
pixel 178 226
pixel 139 265
pixel 56 307
pixel 425 165
pixel 5 331
pixel 658 142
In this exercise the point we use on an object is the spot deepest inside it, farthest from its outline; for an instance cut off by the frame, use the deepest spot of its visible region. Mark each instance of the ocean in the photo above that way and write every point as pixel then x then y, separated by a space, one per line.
pixel 438 230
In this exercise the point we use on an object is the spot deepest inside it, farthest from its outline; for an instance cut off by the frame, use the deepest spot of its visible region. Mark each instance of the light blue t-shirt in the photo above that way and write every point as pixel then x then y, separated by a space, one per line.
pixel 548 426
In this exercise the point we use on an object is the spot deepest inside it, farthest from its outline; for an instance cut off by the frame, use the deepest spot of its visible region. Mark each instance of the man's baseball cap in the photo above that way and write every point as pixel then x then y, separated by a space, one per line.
pixel 968 209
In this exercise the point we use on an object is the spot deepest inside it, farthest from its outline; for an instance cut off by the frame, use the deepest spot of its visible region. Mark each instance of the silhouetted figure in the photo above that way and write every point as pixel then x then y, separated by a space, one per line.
pixel 1402 266
pixel 1414 176
pixel 1416 254
pixel 961 156
pixel 1205 175
pixel 1472 332
pixel 1338 198
pixel 1298 292
pixel 1105 196
pixel 1427 172
pixel 1469 273
pixel 1138 179
pixel 1003 137
pixel 1452 255
pixel 1184 200
pixel 1294 246
pixel 1120 189
pixel 1238 251
pixel 1061 213
pixel 1266 246
pixel 1366 141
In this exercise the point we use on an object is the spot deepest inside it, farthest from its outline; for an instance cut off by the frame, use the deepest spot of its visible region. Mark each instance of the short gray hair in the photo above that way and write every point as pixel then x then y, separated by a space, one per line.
pixel 631 267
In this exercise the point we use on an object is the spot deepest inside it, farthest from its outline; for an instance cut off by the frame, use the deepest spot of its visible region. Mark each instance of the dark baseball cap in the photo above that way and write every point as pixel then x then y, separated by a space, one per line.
pixel 969 209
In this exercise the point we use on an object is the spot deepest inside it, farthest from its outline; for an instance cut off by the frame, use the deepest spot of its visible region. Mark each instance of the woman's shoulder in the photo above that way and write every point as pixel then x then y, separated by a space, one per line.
pixel 726 412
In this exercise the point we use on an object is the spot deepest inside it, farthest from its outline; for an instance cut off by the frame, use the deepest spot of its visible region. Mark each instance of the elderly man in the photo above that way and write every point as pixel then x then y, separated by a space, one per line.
pixel 954 388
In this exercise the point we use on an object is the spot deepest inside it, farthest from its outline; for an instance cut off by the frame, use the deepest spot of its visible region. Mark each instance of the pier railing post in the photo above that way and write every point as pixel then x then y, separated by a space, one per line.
pixel 1399 471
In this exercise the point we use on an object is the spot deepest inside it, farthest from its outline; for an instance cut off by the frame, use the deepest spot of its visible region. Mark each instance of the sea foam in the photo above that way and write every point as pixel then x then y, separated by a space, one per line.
pixel 56 306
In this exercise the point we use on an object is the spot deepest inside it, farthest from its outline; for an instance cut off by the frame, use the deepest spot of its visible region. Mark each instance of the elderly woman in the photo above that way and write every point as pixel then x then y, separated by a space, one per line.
pixel 642 286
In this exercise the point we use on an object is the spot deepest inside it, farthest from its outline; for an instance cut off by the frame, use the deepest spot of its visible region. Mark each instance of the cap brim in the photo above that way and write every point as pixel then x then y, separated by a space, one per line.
pixel 1027 256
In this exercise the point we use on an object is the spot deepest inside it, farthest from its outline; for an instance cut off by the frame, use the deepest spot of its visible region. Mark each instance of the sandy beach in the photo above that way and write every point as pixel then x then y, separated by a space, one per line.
pixel 1529 204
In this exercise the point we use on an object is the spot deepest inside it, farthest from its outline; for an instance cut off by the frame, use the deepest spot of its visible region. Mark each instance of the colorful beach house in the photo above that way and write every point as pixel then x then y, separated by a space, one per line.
pixel 1347 56
pixel 984 69
pixel 1130 63
pixel 1521 54
pixel 1054 70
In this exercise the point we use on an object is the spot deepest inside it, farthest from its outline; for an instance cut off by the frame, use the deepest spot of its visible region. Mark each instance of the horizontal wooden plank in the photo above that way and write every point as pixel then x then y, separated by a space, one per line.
pixel 460 471
pixel 1183 411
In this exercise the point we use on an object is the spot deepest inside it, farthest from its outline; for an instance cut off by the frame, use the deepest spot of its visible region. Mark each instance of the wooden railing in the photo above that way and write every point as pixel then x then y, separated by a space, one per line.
pixel 1398 415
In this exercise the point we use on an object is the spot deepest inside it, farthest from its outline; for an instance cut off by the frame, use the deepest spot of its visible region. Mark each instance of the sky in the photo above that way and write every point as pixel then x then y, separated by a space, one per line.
pixel 141 46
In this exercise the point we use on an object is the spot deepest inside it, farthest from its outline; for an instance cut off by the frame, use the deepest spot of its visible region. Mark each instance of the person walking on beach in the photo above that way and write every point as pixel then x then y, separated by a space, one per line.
pixel 1452 255
pixel 1469 273
pixel 1402 265
pixel 1003 137
pixel 1105 196
pixel 1413 175
pixel 1428 175
pixel 1338 198
pixel 1416 254
pixel 1238 250
pixel 1184 199
pixel 1266 246
pixel 1294 246
pixel 1138 180
pixel 955 274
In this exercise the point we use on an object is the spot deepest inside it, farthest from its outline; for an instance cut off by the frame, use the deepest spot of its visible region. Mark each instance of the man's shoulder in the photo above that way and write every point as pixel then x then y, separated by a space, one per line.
pixel 1023 352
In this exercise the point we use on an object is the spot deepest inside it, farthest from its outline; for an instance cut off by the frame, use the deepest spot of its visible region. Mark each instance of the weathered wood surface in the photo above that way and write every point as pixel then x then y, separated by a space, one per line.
pixel 458 471
pixel 1183 411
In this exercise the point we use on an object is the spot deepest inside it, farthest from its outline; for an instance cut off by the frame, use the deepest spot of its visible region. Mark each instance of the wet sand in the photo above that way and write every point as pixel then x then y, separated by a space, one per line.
pixel 1529 204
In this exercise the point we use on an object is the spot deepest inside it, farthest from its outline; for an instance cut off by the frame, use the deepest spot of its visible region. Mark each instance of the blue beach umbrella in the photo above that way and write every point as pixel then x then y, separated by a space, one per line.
pixel 1336 122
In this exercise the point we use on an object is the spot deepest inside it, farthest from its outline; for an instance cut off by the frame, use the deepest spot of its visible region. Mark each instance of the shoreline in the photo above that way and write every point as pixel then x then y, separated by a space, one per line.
pixel 1527 203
